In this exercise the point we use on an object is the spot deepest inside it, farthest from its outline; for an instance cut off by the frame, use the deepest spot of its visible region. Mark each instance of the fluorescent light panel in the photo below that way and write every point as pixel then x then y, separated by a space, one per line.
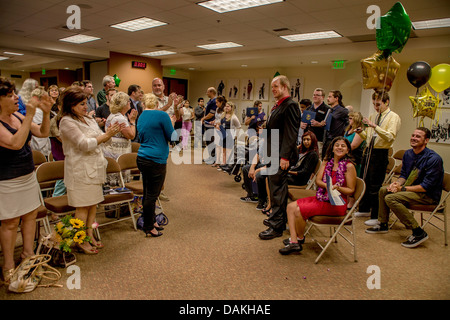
pixel 79 38
pixel 222 6
pixel 3 58
pixel 138 24
pixel 430 24
pixel 311 36
pixel 158 53
pixel 223 45
pixel 13 53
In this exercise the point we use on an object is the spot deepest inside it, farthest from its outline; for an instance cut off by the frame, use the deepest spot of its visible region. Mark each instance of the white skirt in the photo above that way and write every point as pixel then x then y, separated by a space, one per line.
pixel 85 195
pixel 19 196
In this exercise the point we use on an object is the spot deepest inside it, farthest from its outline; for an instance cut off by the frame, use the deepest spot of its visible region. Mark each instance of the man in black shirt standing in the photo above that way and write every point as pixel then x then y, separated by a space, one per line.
pixel 339 119
pixel 318 123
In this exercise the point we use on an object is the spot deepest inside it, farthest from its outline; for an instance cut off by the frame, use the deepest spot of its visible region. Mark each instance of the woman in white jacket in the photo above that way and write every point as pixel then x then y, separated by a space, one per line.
pixel 84 163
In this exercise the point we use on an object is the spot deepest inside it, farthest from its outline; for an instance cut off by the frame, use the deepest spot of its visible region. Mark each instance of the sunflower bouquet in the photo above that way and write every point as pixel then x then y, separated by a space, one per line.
pixel 70 231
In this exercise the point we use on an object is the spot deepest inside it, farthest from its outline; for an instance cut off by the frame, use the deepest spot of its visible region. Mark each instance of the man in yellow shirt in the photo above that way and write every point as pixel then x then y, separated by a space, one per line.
pixel 382 129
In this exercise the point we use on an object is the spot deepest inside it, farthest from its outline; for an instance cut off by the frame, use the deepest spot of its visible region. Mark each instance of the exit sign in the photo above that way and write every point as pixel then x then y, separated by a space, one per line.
pixel 138 64
pixel 339 64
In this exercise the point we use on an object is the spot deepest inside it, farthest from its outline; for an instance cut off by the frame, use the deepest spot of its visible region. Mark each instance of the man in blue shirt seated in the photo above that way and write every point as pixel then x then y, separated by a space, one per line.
pixel 420 182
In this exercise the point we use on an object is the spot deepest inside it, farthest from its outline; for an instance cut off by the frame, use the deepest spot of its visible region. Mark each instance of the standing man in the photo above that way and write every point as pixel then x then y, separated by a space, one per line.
pixel 208 121
pixel 383 126
pixel 134 92
pixel 108 83
pixel 285 117
pixel 339 119
pixel 102 113
pixel 420 182
pixel 89 89
pixel 318 123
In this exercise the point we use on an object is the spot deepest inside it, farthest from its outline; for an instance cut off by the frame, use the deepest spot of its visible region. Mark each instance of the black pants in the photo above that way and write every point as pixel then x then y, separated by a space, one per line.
pixel 376 172
pixel 153 176
pixel 278 188
pixel 260 181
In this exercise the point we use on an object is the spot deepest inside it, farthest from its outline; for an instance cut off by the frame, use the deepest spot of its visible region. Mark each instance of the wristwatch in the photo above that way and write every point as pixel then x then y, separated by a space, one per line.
pixel 403 188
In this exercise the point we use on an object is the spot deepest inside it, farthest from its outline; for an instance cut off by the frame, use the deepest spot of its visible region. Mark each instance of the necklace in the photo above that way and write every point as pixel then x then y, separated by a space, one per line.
pixel 322 194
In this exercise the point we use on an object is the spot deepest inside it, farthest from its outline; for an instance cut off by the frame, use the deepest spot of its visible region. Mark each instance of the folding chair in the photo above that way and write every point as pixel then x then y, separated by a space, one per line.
pixel 297 192
pixel 135 147
pixel 390 170
pixel 435 210
pixel 339 223
pixel 48 172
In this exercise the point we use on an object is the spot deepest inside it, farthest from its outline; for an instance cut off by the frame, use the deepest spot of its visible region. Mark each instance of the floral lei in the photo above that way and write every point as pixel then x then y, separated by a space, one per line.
pixel 321 193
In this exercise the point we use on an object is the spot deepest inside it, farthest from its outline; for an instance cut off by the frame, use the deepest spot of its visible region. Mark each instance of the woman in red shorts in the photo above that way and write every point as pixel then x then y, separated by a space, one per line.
pixel 339 166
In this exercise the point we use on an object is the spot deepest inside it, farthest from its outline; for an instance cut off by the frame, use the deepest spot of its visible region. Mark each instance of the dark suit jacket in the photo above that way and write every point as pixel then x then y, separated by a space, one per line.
pixel 139 110
pixel 286 118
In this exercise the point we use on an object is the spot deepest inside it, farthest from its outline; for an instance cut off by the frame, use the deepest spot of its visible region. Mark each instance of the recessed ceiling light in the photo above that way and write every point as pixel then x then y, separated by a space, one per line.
pixel 223 45
pixel 79 38
pixel 191 69
pixel 222 6
pixel 158 53
pixel 429 24
pixel 312 36
pixel 4 58
pixel 314 62
pixel 13 53
pixel 244 66
pixel 138 24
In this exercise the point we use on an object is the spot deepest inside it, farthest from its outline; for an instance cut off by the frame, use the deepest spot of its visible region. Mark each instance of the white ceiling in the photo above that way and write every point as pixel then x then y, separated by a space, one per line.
pixel 34 27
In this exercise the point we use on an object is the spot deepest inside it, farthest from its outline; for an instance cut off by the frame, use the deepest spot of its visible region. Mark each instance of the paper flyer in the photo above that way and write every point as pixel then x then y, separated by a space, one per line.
pixel 333 195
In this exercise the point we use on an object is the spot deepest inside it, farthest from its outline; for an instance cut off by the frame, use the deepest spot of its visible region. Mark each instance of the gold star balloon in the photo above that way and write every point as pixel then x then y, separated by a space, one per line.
pixel 379 72
pixel 424 104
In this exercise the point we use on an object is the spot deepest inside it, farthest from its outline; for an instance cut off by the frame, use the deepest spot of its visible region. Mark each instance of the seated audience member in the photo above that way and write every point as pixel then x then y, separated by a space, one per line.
pixel 358 144
pixel 338 165
pixel 420 182
pixel 300 174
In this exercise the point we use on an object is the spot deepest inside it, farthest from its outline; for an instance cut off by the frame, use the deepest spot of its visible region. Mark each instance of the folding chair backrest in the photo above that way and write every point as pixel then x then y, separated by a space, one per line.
pixel 38 158
pixel 127 161
pixel 312 180
pixel 135 146
pixel 446 182
pixel 359 191
pixel 50 171
pixel 113 166
pixel 398 155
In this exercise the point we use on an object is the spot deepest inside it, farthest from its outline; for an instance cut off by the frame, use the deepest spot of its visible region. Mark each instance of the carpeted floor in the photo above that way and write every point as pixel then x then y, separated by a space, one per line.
pixel 211 251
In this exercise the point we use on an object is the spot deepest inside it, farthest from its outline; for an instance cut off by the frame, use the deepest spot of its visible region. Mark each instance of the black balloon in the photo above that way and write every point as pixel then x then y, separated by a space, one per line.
pixel 419 73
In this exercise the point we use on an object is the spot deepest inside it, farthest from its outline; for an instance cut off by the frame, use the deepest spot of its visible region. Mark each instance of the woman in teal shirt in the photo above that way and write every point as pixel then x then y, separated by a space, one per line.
pixel 155 129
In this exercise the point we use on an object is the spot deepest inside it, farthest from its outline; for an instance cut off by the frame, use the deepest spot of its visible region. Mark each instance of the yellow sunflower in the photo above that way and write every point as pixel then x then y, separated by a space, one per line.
pixel 77 223
pixel 79 237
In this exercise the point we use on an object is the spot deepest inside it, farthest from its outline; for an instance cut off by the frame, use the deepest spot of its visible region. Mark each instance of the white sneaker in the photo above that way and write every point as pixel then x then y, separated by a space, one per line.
pixel 372 222
pixel 362 214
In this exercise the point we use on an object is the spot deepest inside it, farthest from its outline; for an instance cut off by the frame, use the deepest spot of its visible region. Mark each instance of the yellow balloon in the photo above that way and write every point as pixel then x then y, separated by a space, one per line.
pixel 424 104
pixel 440 77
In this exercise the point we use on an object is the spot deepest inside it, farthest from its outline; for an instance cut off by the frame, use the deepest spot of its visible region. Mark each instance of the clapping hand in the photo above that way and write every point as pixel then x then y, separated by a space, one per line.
pixel 45 103
pixel 132 115
pixel 115 129
pixel 31 105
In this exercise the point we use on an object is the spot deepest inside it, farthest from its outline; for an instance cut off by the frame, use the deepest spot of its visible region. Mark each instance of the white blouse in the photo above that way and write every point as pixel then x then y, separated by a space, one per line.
pixel 84 161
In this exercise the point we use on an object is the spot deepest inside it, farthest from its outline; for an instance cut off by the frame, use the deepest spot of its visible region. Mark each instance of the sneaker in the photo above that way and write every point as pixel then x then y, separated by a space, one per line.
pixel 290 248
pixel 260 206
pixel 163 197
pixel 413 241
pixel 379 228
pixel 372 222
pixel 249 199
pixel 288 240
pixel 362 214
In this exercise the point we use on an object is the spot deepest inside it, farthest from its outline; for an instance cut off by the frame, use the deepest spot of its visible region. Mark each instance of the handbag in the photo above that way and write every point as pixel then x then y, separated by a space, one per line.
pixel 28 275
pixel 59 258
pixel 161 219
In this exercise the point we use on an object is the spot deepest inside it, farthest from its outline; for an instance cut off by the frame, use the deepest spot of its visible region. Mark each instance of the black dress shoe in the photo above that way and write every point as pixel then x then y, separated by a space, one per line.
pixel 159 228
pixel 270 234
pixel 291 248
pixel 266 222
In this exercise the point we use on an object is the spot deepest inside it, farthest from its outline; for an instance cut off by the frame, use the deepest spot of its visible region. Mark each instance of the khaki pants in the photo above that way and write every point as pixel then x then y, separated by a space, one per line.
pixel 399 202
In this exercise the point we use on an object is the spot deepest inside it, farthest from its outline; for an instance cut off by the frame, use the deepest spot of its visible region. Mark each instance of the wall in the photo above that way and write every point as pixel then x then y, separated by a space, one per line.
pixel 348 81
pixel 17 81
pixel 120 64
